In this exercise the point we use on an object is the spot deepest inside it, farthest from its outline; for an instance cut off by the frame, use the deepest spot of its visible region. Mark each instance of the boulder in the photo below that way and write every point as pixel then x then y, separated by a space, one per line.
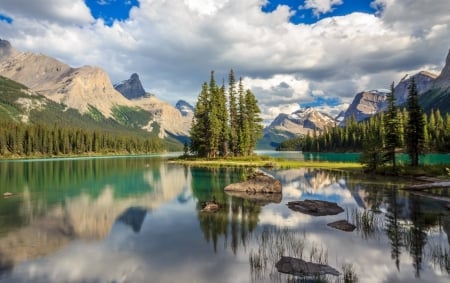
pixel 342 225
pixel 7 194
pixel 299 267
pixel 315 207
pixel 210 206
pixel 259 183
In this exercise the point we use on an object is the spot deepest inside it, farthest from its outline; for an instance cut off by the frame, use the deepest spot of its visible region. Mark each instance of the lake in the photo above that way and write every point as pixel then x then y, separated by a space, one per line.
pixel 139 219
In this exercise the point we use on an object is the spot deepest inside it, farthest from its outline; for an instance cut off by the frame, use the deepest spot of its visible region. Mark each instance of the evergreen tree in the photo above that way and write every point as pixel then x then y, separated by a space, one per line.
pixel 243 127
pixel 199 127
pixel 232 94
pixel 224 139
pixel 414 138
pixel 391 129
pixel 254 120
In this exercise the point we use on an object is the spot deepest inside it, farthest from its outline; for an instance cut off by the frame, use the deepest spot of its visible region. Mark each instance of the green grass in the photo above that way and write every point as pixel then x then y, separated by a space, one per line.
pixel 264 161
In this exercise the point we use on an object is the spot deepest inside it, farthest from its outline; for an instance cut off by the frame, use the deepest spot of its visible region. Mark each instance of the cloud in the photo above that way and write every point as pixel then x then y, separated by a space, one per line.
pixel 64 12
pixel 173 45
pixel 321 6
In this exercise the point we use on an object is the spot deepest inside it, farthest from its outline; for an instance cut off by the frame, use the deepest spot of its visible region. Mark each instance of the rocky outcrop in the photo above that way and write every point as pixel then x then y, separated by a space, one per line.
pixel 315 207
pixel 342 225
pixel 424 81
pixel 6 50
pixel 299 267
pixel 168 118
pixel 443 80
pixel 260 183
pixel 131 88
pixel 365 104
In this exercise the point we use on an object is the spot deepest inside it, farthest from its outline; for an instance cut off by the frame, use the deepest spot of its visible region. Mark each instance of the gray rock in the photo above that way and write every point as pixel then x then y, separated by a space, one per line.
pixel 443 80
pixel 342 225
pixel 131 88
pixel 299 267
pixel 257 184
pixel 315 207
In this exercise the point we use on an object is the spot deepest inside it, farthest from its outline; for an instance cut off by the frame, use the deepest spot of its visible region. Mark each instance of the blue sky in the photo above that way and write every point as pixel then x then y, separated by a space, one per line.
pixel 288 52
pixel 302 13
pixel 110 10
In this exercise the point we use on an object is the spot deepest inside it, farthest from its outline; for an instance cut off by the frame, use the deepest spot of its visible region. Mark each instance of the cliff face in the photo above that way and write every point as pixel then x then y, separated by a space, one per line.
pixel 424 81
pixel 131 88
pixel 169 119
pixel 365 104
pixel 77 88
pixel 443 80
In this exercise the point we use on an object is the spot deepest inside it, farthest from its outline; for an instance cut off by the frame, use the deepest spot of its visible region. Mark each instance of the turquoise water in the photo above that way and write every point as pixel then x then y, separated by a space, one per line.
pixel 139 219
pixel 434 158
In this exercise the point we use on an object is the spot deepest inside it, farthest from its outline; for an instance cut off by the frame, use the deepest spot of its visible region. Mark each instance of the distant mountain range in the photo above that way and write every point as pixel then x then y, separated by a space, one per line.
pixel 434 93
pixel 41 88
pixel 89 91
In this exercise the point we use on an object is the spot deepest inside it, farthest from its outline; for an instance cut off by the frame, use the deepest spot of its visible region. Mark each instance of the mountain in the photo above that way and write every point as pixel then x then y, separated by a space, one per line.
pixel 18 103
pixel 78 88
pixel 298 123
pixel 131 88
pixel 438 97
pixel 424 81
pixel 366 104
pixel 166 120
pixel 185 108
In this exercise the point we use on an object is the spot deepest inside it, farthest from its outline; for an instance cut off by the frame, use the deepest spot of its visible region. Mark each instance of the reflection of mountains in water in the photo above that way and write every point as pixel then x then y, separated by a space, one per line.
pixel 86 216
pixel 133 217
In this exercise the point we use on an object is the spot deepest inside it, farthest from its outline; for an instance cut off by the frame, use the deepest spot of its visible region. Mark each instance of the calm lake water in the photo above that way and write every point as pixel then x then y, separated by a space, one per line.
pixel 138 219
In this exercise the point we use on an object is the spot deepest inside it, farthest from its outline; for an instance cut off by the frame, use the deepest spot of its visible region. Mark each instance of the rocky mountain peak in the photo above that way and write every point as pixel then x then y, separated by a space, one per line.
pixel 424 80
pixel 131 88
pixel 6 50
pixel 443 80
pixel 365 104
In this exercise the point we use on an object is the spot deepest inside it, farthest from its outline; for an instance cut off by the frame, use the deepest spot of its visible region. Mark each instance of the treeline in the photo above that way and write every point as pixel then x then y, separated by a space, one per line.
pixel 17 139
pixel 387 129
pixel 350 138
pixel 225 123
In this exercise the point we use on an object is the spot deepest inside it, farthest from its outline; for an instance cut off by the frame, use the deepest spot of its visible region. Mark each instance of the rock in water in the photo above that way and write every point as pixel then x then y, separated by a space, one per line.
pixel 342 225
pixel 257 184
pixel 299 267
pixel 315 207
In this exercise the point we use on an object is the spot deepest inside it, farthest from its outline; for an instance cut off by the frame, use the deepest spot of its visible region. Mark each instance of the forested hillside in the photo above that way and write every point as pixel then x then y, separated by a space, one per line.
pixel 31 125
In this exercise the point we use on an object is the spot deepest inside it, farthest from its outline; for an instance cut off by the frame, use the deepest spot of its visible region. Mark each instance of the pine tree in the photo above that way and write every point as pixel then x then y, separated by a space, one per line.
pixel 414 138
pixel 232 101
pixel 391 129
pixel 254 120
pixel 199 127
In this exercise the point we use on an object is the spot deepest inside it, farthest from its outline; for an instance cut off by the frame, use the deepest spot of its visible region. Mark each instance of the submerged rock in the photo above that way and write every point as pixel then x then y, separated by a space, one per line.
pixel 343 225
pixel 258 183
pixel 210 206
pixel 299 267
pixel 315 207
pixel 7 194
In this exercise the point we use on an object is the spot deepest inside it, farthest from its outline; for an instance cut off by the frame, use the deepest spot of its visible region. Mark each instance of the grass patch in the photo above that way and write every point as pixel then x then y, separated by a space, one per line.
pixel 263 161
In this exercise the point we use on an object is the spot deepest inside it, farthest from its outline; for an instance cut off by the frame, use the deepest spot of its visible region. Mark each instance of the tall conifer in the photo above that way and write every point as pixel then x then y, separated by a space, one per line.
pixel 414 139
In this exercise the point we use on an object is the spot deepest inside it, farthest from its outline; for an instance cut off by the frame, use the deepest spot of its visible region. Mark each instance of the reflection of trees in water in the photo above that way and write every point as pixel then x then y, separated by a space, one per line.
pixel 236 217
pixel 394 229
pixel 416 239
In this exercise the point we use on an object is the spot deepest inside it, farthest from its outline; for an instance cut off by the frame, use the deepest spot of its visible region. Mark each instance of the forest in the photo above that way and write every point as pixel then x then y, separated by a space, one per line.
pixel 27 140
pixel 225 126
pixel 394 130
